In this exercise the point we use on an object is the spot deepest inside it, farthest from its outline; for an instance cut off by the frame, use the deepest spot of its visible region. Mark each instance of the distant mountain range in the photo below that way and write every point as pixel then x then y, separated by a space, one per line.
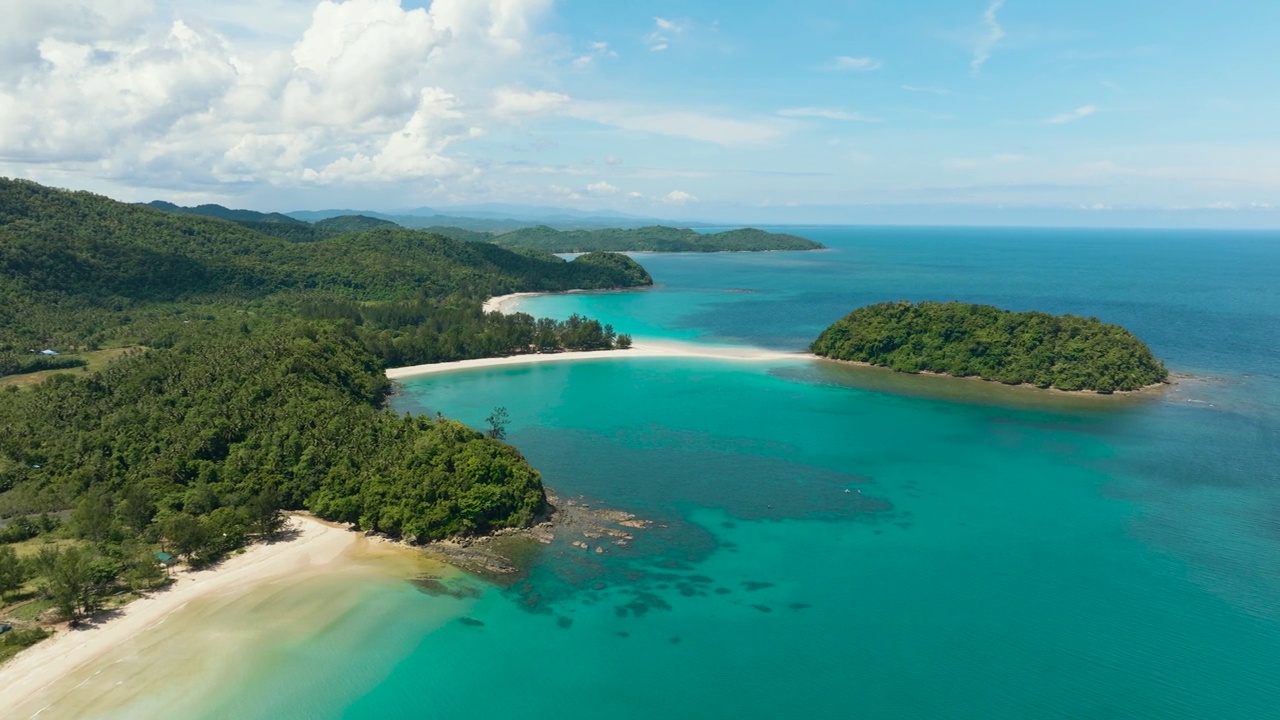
pixel 619 233
pixel 281 226
pixel 653 238
pixel 492 217
pixel 224 213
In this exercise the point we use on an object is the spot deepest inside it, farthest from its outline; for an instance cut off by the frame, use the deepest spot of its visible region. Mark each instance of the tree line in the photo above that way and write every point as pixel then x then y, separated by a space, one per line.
pixel 257 386
pixel 80 271
pixel 196 448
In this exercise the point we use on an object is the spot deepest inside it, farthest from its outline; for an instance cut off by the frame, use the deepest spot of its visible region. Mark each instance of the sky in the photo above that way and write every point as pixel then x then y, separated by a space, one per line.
pixel 1123 112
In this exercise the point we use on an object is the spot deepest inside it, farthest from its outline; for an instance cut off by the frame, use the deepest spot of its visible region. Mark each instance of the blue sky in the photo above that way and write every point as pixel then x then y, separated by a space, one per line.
pixel 1114 113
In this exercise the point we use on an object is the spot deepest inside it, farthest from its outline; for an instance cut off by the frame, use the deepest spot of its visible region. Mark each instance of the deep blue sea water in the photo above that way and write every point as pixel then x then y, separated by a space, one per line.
pixel 832 542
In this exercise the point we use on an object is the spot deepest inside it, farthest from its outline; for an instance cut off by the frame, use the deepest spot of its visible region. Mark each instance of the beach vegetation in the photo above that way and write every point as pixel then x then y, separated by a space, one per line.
pixel 497 422
pixel 1066 352
pixel 235 374
pixel 18 639
pixel 14 572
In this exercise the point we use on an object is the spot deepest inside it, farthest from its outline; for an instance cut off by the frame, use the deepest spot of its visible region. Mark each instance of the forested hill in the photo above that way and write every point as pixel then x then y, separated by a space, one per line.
pixel 224 213
pixel 252 381
pixel 655 238
pixel 1064 351
pixel 218 432
pixel 77 269
pixel 279 225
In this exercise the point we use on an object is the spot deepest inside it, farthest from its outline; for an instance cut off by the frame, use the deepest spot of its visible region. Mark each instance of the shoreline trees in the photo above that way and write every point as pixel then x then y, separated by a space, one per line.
pixel 1066 352
pixel 258 386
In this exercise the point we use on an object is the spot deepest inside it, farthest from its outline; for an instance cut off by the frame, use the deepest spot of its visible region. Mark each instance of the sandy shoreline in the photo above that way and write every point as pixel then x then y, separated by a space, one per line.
pixel 508 304
pixel 38 678
pixel 640 349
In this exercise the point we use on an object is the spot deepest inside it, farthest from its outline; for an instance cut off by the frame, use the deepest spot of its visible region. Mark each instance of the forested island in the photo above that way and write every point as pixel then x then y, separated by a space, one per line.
pixel 1065 352
pixel 247 378
pixel 655 238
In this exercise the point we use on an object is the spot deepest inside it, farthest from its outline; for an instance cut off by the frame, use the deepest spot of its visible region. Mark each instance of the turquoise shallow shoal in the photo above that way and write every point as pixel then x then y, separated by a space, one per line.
pixel 827 548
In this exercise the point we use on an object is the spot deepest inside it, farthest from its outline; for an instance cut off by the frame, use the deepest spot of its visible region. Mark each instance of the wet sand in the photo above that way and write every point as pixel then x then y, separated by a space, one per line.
pixel 163 653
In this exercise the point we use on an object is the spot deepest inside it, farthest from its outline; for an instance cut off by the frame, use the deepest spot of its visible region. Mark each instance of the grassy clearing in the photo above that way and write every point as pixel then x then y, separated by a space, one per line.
pixel 27 548
pixel 26 612
pixel 19 639
pixel 96 360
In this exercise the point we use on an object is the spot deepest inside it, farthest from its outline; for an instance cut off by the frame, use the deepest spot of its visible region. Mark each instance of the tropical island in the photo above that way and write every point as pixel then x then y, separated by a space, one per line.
pixel 219 375
pixel 654 238
pixel 1065 352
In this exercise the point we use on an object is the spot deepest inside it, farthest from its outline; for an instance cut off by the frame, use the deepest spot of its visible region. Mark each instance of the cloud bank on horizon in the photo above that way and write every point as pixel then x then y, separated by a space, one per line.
pixel 753 111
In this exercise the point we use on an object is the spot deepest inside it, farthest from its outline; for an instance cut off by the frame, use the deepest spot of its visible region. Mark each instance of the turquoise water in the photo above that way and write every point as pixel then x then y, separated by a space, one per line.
pixel 827 548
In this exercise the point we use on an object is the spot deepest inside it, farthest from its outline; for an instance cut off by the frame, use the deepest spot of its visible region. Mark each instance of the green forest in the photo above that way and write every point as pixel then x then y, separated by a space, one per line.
pixel 280 225
pixel 655 238
pixel 248 380
pixel 1059 351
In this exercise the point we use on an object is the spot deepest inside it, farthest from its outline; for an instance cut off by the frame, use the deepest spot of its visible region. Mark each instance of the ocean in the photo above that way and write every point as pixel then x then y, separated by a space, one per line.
pixel 835 542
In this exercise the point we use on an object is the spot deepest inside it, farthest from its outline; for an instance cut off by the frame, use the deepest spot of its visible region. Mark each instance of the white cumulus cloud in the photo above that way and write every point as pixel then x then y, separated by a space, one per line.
pixel 361 91
pixel 602 188
pixel 678 197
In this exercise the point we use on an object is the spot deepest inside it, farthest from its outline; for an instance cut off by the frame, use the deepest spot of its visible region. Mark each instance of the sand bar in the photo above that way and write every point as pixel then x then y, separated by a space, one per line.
pixel 639 349
pixel 38 678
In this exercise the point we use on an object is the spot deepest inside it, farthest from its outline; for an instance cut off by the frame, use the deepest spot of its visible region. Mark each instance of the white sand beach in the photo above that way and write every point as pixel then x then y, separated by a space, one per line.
pixel 506 304
pixel 44 680
pixel 640 348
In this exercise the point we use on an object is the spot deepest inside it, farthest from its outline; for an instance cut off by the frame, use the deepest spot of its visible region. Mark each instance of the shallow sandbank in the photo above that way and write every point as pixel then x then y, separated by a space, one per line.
pixel 156 652
pixel 640 349
pixel 934 386
pixel 1020 386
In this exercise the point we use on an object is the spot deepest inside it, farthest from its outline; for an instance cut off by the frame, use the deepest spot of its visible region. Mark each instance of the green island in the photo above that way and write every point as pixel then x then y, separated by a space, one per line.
pixel 1065 352
pixel 191 378
pixel 655 238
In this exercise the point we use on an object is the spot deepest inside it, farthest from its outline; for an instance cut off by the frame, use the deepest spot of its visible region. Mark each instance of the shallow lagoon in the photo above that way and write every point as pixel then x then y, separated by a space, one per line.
pixel 831 546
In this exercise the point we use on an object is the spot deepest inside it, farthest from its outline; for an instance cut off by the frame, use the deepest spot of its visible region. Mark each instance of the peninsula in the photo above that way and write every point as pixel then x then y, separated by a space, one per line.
pixel 221 375
pixel 1065 352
